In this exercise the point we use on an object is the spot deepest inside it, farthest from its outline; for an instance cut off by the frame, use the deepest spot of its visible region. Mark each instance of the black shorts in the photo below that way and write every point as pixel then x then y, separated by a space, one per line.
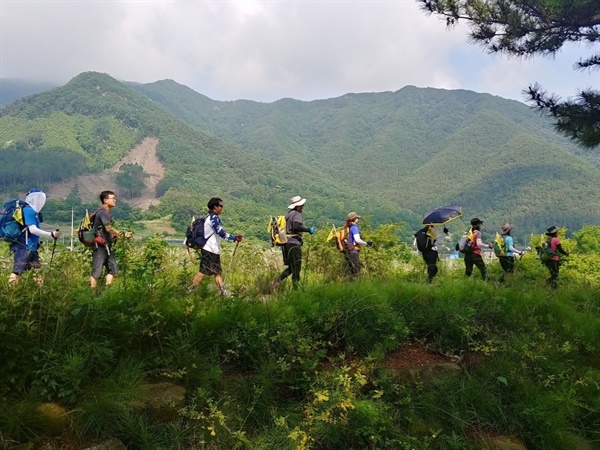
pixel 210 263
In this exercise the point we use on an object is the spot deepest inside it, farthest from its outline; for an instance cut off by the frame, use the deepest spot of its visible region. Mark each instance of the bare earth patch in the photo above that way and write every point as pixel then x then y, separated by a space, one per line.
pixel 414 355
pixel 90 185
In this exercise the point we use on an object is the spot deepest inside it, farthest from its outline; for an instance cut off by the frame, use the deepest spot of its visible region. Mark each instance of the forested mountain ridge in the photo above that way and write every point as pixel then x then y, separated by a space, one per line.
pixel 96 119
pixel 390 155
pixel 418 147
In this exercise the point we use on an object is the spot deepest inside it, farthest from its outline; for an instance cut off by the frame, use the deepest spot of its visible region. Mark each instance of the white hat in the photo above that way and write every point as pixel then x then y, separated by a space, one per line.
pixel 296 201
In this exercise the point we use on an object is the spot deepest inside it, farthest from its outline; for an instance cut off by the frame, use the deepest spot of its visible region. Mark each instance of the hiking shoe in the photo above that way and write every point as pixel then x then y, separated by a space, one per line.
pixel 225 292
pixel 190 288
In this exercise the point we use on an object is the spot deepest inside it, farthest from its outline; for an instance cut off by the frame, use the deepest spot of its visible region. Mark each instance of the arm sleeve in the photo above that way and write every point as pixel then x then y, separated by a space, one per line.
pixel 480 243
pixel 559 249
pixel 358 239
pixel 298 224
pixel 33 229
pixel 218 226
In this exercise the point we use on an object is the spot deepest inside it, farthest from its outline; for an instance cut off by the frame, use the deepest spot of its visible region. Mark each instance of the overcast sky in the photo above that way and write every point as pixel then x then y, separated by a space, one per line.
pixel 266 50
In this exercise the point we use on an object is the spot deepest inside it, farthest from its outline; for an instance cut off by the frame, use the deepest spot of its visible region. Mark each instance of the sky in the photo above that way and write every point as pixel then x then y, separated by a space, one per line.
pixel 267 50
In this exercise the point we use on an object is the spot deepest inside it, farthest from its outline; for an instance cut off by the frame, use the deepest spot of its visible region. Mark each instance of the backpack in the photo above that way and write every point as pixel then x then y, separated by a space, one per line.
pixel 424 241
pixel 342 240
pixel 499 246
pixel 194 235
pixel 85 232
pixel 465 244
pixel 12 222
pixel 276 229
pixel 545 252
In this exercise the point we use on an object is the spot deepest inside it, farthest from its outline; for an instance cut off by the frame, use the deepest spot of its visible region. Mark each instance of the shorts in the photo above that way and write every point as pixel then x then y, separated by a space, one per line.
pixel 100 259
pixel 210 263
pixel 24 259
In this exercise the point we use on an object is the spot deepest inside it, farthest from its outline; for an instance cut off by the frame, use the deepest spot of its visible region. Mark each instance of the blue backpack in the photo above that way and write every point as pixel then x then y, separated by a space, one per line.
pixel 12 223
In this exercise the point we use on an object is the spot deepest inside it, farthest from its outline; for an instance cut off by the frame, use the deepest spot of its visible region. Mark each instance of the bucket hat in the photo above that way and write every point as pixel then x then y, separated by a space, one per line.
pixel 551 230
pixel 352 216
pixel 296 201
pixel 507 228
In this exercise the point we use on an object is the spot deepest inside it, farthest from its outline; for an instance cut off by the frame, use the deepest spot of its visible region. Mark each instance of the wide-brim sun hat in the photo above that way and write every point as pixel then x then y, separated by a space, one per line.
pixel 551 230
pixel 507 228
pixel 476 221
pixel 296 201
pixel 352 216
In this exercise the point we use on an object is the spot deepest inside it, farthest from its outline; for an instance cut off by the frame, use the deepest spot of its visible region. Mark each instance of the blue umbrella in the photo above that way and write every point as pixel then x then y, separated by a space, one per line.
pixel 442 215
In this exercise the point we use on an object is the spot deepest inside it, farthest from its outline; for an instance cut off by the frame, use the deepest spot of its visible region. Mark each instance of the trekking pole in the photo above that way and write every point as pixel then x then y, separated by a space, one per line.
pixel 53 249
pixel 307 266
pixel 518 263
pixel 230 262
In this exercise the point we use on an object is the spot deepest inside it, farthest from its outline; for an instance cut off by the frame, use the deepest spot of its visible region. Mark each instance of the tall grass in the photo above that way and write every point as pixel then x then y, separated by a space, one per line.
pixel 299 369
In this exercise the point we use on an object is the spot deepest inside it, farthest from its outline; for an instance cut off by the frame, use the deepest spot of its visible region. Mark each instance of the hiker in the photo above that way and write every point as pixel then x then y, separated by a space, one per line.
pixel 106 236
pixel 507 261
pixel 26 246
pixel 426 239
pixel 210 254
pixel 474 258
pixel 292 250
pixel 351 255
pixel 553 264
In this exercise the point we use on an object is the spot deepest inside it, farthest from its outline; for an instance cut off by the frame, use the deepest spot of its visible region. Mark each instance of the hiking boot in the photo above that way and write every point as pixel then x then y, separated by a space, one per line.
pixel 225 292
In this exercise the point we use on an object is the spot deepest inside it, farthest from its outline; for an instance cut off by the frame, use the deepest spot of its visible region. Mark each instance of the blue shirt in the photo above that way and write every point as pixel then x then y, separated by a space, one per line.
pixel 508 242
pixel 30 217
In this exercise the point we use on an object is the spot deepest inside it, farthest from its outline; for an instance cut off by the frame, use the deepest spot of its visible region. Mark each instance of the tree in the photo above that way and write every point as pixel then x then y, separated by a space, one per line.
pixel 131 179
pixel 537 27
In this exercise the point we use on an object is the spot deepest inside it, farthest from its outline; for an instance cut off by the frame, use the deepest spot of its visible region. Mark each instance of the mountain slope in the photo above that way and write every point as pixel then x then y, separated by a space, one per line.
pixel 85 117
pixel 418 148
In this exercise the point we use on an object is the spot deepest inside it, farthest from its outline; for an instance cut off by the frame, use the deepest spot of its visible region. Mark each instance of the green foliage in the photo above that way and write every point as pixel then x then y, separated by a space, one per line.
pixel 131 180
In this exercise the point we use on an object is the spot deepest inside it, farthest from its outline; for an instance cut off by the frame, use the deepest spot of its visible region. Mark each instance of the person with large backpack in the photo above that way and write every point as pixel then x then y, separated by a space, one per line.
pixel 426 238
pixel 105 237
pixel 554 248
pixel 353 243
pixel 507 251
pixel 292 249
pixel 26 245
pixel 210 253
pixel 474 258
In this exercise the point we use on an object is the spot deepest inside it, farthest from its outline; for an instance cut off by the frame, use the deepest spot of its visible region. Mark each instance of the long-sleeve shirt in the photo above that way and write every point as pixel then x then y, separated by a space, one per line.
pixel 214 232
pixel 294 227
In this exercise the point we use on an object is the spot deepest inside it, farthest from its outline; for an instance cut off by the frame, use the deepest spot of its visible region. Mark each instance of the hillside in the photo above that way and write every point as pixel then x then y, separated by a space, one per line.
pixel 416 147
pixel 91 124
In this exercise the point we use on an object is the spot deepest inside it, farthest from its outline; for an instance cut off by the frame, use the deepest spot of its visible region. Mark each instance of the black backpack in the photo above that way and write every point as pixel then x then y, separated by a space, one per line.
pixel 194 235
pixel 424 242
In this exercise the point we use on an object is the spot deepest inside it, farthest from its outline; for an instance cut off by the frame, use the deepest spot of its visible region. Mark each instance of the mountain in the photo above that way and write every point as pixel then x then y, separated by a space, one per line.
pixel 91 123
pixel 389 155
pixel 12 89
pixel 418 148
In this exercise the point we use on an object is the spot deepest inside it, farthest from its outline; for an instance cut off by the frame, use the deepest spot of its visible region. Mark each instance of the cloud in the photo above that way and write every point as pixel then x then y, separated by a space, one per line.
pixel 256 49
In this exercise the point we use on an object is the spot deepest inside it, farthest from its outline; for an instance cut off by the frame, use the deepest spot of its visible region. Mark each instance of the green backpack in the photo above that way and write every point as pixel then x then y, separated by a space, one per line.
pixel 546 252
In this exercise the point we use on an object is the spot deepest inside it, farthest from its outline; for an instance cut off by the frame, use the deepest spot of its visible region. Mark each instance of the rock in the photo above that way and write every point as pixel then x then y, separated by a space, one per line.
pixel 163 400
pixel 50 418
pixel 111 444
pixel 503 443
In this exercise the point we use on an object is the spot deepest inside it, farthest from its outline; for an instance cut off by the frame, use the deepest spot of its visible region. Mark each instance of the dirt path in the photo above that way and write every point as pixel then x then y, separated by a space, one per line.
pixel 90 185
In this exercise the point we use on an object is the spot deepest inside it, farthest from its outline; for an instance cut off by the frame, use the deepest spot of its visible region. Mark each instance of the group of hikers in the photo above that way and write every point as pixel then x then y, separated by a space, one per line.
pixel 25 246
pixel 474 243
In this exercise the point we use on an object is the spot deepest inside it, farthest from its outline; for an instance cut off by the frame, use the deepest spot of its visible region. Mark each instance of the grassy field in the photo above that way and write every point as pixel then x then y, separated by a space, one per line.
pixel 300 369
